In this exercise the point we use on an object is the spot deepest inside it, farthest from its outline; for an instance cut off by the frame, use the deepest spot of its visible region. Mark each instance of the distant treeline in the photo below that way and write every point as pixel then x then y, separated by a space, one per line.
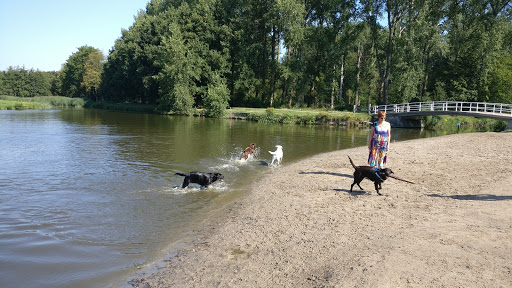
pixel 210 54
pixel 20 82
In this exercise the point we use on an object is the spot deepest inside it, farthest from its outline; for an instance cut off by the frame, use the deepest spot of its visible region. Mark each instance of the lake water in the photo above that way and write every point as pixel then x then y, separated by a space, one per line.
pixel 89 195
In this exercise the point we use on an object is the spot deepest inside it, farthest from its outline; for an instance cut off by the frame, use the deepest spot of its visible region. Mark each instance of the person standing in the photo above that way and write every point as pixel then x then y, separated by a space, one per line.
pixel 380 136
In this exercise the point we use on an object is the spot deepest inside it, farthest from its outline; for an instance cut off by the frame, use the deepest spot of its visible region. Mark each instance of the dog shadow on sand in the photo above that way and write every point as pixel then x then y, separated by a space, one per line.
pixel 328 173
pixel 352 193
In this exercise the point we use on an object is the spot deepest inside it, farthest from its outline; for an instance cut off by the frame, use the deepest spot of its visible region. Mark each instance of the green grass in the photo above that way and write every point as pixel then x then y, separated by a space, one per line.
pixel 298 116
pixel 481 124
pixel 40 102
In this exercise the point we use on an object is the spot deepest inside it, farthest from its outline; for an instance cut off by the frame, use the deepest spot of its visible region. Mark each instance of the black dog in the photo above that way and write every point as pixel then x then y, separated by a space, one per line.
pixel 369 172
pixel 202 178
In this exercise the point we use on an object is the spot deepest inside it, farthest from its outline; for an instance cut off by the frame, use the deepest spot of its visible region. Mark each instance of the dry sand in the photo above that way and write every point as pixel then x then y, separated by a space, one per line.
pixel 302 227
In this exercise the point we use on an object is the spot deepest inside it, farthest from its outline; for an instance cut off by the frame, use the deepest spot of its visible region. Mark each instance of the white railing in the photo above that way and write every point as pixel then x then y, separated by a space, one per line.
pixel 447 106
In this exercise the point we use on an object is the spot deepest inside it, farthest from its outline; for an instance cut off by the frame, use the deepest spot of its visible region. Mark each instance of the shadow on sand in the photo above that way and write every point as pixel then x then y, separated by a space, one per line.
pixel 480 197
pixel 329 173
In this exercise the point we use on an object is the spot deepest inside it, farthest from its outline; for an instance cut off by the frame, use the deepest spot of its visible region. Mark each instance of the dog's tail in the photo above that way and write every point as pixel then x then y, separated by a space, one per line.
pixel 181 174
pixel 351 162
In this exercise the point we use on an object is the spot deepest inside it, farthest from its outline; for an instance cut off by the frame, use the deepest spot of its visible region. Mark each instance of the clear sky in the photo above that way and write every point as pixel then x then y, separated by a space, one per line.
pixel 42 34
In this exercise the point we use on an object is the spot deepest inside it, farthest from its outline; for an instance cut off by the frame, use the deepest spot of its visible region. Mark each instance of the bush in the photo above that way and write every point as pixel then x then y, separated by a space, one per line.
pixel 306 120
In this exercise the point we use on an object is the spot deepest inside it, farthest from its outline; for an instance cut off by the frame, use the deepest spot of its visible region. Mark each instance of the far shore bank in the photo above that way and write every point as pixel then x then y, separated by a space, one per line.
pixel 271 115
pixel 301 226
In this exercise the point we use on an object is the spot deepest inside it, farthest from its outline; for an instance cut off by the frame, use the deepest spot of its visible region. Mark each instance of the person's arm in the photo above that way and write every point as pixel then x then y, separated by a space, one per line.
pixel 389 137
pixel 372 132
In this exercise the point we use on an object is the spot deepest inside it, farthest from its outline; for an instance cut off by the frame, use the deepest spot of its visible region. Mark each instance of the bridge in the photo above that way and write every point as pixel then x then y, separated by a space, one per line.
pixel 497 111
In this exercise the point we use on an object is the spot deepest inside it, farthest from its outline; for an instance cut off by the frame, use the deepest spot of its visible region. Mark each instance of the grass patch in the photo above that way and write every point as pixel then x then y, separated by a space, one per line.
pixel 298 116
pixel 39 102
pixel 482 124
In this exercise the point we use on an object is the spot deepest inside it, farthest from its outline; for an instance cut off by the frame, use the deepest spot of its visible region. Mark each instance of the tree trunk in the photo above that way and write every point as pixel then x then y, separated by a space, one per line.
pixel 290 99
pixel 393 18
pixel 333 90
pixel 273 66
pixel 313 93
pixel 340 92
pixel 359 57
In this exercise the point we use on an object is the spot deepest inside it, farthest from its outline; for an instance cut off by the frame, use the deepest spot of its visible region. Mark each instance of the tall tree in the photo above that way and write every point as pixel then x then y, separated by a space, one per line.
pixel 177 77
pixel 93 68
pixel 192 56
pixel 74 69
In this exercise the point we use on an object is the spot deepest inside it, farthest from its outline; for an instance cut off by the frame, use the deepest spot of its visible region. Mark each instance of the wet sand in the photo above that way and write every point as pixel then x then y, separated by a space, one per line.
pixel 300 226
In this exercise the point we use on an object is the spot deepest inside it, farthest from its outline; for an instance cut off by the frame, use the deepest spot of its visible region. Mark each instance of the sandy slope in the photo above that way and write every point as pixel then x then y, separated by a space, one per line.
pixel 302 227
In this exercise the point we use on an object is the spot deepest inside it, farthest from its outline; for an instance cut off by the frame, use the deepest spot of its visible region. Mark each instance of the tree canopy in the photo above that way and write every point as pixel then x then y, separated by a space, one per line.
pixel 20 82
pixel 81 75
pixel 318 54
pixel 182 55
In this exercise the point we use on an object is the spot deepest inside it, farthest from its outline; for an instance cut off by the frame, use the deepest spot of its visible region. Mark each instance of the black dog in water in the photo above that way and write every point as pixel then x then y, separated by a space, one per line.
pixel 377 176
pixel 202 178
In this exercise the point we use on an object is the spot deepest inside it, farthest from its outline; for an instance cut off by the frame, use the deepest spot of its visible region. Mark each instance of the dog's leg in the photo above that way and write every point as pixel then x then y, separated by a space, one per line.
pixel 357 179
pixel 377 188
pixel 186 181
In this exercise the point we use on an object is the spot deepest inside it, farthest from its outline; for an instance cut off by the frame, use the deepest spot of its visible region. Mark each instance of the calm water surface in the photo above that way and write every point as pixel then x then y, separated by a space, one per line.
pixel 87 195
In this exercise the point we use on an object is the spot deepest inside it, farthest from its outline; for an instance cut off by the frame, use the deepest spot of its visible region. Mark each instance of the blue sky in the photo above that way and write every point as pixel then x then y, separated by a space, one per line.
pixel 42 34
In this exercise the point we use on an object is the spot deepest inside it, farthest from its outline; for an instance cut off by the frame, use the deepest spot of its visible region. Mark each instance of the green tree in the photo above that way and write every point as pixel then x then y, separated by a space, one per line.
pixel 500 81
pixel 78 65
pixel 217 97
pixel 286 52
pixel 192 53
pixel 93 67
pixel 20 82
pixel 177 76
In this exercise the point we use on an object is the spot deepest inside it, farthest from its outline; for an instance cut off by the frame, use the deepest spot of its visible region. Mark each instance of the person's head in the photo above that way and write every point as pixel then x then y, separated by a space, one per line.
pixel 381 115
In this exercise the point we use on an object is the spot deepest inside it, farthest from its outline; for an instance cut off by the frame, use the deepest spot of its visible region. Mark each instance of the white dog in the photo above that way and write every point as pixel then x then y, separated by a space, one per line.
pixel 277 155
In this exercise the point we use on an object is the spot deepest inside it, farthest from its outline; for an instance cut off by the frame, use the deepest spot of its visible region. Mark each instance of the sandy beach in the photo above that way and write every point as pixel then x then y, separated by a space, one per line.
pixel 300 226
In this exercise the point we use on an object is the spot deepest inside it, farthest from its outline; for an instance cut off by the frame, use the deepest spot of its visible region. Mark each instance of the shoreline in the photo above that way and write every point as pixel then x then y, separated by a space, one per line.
pixel 301 225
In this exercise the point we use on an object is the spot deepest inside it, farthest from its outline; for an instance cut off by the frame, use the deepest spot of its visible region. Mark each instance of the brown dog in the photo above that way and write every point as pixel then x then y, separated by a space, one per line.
pixel 377 176
pixel 248 151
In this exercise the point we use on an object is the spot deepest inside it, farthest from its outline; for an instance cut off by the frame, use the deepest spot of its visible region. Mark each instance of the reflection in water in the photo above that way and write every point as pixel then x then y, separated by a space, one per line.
pixel 87 195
